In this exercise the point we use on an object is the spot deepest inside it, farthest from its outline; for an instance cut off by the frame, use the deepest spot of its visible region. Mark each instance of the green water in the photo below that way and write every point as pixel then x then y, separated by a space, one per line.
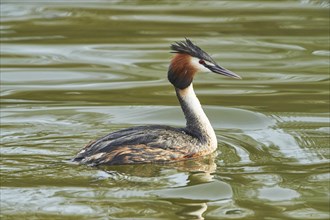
pixel 72 71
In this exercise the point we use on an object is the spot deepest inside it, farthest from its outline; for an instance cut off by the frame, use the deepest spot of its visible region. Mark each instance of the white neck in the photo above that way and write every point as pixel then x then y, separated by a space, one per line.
pixel 198 124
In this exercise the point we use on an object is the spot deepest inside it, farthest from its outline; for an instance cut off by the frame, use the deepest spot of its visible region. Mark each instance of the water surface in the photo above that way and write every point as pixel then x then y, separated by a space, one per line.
pixel 73 71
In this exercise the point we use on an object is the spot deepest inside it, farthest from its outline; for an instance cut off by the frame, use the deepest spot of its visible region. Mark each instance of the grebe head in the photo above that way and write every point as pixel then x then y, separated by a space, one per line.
pixel 189 60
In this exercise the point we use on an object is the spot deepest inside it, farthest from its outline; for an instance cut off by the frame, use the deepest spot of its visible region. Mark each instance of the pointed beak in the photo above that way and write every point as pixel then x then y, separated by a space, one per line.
pixel 220 70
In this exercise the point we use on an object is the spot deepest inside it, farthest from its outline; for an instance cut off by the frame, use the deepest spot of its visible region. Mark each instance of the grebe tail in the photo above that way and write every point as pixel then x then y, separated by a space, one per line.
pixel 159 143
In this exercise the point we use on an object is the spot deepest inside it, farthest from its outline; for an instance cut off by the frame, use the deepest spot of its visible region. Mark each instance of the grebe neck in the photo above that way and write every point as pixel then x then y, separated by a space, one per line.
pixel 198 125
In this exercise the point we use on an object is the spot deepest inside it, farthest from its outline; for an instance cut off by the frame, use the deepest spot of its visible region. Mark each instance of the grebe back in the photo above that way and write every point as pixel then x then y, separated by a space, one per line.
pixel 159 143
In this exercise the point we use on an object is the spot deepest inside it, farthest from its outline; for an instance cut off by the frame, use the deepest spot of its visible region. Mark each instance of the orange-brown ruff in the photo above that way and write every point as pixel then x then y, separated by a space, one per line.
pixel 181 70
pixel 160 143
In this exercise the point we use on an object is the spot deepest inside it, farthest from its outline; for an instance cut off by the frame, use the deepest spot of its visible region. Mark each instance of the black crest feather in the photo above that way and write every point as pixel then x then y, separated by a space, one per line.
pixel 187 47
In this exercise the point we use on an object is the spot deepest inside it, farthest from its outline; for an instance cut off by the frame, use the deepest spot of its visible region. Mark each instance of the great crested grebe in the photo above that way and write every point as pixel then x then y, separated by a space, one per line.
pixel 160 143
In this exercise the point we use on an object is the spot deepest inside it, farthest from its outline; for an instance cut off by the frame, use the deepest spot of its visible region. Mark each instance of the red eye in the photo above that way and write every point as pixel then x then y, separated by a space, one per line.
pixel 201 61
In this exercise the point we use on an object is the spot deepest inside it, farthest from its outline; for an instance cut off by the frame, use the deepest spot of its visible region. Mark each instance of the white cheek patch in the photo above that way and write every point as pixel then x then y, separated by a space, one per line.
pixel 209 63
pixel 195 62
